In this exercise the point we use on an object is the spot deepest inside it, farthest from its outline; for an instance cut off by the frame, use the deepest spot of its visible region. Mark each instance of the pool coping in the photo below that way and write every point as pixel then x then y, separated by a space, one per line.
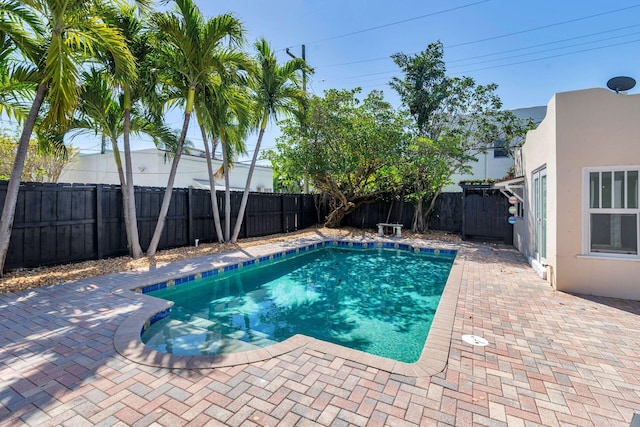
pixel 128 343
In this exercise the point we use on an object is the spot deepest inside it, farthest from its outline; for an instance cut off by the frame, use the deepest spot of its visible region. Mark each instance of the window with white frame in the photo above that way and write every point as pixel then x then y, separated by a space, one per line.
pixel 612 210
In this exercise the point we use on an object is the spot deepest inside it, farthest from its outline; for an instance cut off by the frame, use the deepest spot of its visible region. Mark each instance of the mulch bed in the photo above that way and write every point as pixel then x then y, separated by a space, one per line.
pixel 23 279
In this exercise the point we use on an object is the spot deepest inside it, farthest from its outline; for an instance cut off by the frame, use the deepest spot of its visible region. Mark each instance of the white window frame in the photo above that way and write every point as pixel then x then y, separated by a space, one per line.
pixel 587 210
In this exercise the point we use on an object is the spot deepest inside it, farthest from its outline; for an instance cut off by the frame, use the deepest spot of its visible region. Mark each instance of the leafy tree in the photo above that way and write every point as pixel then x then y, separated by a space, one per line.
pixel 455 119
pixel 282 181
pixel 348 148
pixel 43 164
pixel 276 91
pixel 62 36
pixel 425 169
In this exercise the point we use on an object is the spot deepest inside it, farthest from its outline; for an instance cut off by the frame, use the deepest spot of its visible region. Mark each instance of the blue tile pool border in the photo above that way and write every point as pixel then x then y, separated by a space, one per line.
pixel 275 256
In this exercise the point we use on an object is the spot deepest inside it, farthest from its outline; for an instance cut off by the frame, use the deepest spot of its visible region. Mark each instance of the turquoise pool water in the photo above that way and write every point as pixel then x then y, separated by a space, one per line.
pixel 380 301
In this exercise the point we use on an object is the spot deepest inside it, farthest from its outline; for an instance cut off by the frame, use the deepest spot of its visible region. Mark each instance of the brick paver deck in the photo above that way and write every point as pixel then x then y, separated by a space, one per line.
pixel 552 359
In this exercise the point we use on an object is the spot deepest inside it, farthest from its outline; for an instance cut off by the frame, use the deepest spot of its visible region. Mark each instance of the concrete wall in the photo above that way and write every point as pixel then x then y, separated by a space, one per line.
pixel 151 170
pixel 587 128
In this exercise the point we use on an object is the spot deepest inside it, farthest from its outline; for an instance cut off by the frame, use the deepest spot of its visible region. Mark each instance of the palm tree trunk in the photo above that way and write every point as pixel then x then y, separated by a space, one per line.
pixel 245 193
pixel 166 200
pixel 11 199
pixel 227 189
pixel 212 186
pixel 129 194
pixel 164 209
pixel 123 188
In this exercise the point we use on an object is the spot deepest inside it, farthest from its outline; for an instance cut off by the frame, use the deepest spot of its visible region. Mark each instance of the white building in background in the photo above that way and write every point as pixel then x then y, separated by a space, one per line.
pixel 494 164
pixel 151 169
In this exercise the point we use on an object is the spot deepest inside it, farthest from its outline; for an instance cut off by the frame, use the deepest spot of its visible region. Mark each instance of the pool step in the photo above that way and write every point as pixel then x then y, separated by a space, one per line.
pixel 258 339
pixel 199 322
pixel 192 334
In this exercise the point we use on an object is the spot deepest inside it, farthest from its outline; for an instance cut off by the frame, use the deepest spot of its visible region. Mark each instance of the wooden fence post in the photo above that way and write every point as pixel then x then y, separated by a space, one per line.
pixel 299 223
pixel 284 214
pixel 190 235
pixel 245 220
pixel 99 234
pixel 464 198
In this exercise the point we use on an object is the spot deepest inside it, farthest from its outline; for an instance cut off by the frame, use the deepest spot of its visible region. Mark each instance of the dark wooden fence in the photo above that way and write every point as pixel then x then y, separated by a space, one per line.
pixel 60 223
pixel 446 216
pixel 486 214
pixel 479 212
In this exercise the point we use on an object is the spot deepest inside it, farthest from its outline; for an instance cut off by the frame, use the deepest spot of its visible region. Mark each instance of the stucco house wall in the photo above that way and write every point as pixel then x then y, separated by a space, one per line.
pixel 583 129
pixel 151 169
pixel 538 152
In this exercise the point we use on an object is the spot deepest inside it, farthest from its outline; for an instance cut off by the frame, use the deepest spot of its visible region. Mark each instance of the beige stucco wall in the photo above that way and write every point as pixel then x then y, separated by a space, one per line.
pixel 539 151
pixel 587 128
pixel 595 128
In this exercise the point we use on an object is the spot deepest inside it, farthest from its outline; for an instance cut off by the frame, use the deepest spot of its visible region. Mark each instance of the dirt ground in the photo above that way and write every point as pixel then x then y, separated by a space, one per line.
pixel 35 277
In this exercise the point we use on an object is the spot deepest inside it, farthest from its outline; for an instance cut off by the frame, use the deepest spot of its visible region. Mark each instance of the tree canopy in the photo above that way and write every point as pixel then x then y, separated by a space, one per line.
pixel 455 119
pixel 357 151
pixel 346 147
pixel 43 163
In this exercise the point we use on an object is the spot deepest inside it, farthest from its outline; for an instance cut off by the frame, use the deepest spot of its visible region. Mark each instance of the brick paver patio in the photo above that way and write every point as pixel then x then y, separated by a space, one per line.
pixel 552 359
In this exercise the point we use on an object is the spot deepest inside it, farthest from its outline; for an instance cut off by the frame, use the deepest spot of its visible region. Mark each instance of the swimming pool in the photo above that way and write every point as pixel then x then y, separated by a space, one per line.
pixel 380 301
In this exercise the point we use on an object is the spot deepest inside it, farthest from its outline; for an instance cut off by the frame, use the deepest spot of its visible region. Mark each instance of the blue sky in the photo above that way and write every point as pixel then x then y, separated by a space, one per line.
pixel 362 59
pixel 547 46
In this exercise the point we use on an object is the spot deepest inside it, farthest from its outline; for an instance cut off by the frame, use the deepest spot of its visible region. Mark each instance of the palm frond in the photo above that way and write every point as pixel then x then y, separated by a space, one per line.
pixel 93 35
pixel 15 17
pixel 51 140
pixel 277 88
pixel 163 137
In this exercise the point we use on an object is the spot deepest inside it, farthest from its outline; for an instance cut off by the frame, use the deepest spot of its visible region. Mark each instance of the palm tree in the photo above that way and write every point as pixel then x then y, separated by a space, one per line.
pixel 65 34
pixel 190 56
pixel 101 113
pixel 276 92
pixel 126 17
pixel 228 109
pixel 204 117
pixel 15 21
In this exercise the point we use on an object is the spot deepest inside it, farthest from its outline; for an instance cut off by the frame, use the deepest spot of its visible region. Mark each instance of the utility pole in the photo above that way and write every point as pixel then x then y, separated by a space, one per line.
pixel 304 73
pixel 304 89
